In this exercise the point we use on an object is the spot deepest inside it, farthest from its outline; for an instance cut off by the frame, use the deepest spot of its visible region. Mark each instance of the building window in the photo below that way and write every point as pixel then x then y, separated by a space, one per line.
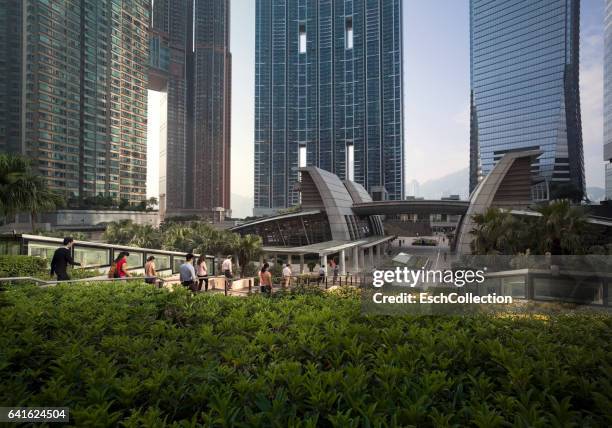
pixel 348 36
pixel 350 161
pixel 302 156
pixel 302 40
pixel 91 257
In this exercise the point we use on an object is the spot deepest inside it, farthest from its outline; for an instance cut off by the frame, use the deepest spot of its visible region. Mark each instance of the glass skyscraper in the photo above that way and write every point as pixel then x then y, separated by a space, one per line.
pixel 608 97
pixel 82 93
pixel 524 87
pixel 328 93
pixel 191 64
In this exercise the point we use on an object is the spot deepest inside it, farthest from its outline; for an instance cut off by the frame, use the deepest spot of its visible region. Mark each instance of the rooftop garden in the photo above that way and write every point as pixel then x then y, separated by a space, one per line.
pixel 133 355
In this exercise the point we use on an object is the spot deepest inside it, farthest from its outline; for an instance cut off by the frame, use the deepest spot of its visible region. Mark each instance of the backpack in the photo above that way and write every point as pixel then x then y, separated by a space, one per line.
pixel 112 272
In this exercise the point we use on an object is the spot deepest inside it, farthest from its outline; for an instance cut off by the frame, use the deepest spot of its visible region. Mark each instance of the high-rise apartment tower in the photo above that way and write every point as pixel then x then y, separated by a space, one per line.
pixel 191 63
pixel 82 93
pixel 328 93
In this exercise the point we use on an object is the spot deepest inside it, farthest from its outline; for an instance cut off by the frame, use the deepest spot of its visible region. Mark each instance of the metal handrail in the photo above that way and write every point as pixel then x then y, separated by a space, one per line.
pixel 50 283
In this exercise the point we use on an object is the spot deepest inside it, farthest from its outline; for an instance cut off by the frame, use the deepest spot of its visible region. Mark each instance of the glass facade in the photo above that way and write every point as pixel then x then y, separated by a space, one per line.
pixel 524 87
pixel 91 257
pixel 294 231
pixel 94 255
pixel 162 262
pixel 328 81
pixel 306 229
pixel 86 95
pixel 190 52
pixel 607 137
pixel 159 53
pixel 41 250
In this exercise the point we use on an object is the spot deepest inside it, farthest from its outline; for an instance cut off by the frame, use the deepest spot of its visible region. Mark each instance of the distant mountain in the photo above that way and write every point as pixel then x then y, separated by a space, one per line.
pixel 595 194
pixel 455 183
pixel 242 206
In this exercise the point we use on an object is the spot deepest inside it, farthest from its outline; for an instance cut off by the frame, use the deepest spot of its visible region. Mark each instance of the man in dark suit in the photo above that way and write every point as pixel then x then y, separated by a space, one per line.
pixel 61 259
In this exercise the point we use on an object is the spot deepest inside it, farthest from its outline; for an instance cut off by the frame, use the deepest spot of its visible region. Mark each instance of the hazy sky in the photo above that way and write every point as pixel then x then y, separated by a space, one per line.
pixel 436 93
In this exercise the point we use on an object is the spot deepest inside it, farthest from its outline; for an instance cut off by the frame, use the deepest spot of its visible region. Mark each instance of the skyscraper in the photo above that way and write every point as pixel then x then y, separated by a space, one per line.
pixel 608 97
pixel 84 94
pixel 328 93
pixel 10 72
pixel 191 63
pixel 524 87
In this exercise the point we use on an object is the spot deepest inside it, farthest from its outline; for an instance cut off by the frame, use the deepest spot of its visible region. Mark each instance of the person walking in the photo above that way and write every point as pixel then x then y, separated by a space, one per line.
pixel 336 272
pixel 265 279
pixel 226 267
pixel 119 268
pixel 202 272
pixel 259 273
pixel 62 257
pixel 187 274
pixel 321 274
pixel 286 276
pixel 151 272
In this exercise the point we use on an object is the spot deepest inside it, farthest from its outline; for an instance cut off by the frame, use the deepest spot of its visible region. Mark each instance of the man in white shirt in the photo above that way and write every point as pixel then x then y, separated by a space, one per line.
pixel 226 267
pixel 188 274
pixel 286 275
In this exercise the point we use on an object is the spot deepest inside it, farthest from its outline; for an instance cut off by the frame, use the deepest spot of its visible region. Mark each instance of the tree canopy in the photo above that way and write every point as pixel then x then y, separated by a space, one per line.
pixel 22 190
pixel 561 229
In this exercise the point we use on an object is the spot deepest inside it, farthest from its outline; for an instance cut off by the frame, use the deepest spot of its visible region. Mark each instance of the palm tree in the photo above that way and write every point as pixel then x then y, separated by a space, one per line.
pixel 40 198
pixel 561 227
pixel 22 190
pixel 179 238
pixel 120 232
pixel 13 170
pixel 152 203
pixel 496 232
pixel 249 248
pixel 146 236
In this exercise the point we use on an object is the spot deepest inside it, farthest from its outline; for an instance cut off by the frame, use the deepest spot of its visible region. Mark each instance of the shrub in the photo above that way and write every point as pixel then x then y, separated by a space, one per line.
pixel 133 355
pixel 37 267
pixel 11 266
pixel 307 290
pixel 345 291
pixel 251 269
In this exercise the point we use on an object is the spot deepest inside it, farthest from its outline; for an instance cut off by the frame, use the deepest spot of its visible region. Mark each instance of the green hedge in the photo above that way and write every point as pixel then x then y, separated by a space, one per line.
pixel 133 355
pixel 37 267
pixel 11 266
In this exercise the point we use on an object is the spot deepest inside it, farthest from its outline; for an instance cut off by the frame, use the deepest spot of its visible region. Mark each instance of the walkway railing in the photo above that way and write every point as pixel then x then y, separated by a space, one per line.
pixel 50 283
pixel 327 281
pixel 358 280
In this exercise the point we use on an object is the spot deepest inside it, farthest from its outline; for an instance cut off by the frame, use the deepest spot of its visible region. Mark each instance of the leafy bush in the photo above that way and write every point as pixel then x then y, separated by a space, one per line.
pixel 345 291
pixel 134 355
pixel 37 267
pixel 251 269
pixel 11 266
pixel 82 273
pixel 303 289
